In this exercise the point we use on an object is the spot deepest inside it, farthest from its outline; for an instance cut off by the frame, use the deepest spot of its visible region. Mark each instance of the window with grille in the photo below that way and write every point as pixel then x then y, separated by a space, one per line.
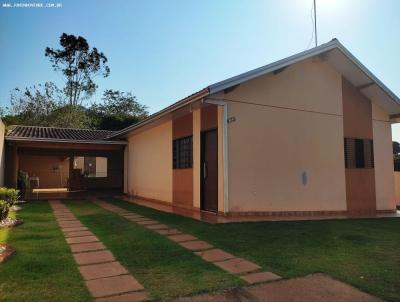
pixel 183 153
pixel 358 153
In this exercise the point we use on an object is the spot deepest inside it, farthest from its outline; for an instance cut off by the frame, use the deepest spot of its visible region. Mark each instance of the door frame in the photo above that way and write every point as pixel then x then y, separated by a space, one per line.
pixel 202 153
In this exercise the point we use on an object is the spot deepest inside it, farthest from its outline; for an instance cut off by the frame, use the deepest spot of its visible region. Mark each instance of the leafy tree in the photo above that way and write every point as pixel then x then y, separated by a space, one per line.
pixel 117 110
pixel 33 105
pixel 79 64
pixel 69 116
pixel 396 155
pixel 396 148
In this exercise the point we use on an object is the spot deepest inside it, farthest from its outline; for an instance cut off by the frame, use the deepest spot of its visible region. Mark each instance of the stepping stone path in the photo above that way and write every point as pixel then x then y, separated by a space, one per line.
pixel 106 279
pixel 246 270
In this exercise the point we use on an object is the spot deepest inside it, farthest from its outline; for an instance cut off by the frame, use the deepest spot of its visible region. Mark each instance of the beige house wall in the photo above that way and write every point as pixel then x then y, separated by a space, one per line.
pixel 286 143
pixel 383 159
pixel 150 163
pixel 2 153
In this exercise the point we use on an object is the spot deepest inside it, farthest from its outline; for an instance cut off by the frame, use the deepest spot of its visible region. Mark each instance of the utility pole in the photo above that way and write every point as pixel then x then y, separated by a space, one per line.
pixel 315 23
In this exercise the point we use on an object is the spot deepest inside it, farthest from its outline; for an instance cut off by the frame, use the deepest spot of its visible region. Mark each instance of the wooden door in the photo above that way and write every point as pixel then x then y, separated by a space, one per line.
pixel 209 171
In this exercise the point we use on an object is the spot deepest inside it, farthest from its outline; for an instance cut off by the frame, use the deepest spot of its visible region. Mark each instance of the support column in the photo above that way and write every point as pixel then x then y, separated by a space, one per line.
pixel 196 157
pixel 14 166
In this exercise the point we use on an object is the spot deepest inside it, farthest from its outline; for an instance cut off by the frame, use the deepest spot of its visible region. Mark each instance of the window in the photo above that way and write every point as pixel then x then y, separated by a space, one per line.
pixel 91 166
pixel 182 153
pixel 358 153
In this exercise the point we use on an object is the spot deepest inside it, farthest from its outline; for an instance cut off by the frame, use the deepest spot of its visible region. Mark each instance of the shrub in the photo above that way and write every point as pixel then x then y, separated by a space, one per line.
pixel 7 199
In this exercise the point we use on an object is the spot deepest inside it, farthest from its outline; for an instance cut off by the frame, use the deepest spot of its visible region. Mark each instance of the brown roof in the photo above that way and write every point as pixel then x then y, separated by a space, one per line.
pixel 52 133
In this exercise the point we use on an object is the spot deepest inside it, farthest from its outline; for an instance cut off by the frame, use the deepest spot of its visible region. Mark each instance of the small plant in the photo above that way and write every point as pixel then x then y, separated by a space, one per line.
pixel 7 199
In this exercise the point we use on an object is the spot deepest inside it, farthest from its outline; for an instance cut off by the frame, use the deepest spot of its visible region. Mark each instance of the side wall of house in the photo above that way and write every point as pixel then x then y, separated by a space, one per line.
pixel 149 163
pixel 2 153
pixel 286 143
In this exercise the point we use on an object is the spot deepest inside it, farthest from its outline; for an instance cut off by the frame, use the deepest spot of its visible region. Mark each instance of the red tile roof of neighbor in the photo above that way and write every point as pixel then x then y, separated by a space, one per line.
pixel 56 134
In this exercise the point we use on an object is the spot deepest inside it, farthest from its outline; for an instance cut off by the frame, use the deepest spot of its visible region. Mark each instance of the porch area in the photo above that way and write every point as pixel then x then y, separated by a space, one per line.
pixel 45 168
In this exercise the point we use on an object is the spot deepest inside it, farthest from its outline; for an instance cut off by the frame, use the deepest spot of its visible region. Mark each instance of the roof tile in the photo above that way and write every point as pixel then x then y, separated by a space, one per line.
pixel 58 133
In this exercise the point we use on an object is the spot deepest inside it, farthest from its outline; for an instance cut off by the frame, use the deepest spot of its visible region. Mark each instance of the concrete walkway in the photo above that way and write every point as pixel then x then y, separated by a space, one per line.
pixel 106 279
pixel 248 271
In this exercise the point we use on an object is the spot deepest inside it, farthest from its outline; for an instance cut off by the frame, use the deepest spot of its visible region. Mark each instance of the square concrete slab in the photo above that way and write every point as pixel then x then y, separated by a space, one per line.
pixel 157 226
pixel 214 255
pixel 182 237
pixel 78 234
pixel 260 277
pixel 113 285
pixel 237 266
pixel 84 239
pixel 65 218
pixel 87 247
pixel 196 245
pixel 147 222
pixel 131 215
pixel 138 219
pixel 74 229
pixel 96 271
pixel 131 297
pixel 63 212
pixel 66 224
pixel 94 257
pixel 168 232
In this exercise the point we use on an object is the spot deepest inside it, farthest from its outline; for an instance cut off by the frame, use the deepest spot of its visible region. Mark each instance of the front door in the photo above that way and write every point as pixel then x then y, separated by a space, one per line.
pixel 209 171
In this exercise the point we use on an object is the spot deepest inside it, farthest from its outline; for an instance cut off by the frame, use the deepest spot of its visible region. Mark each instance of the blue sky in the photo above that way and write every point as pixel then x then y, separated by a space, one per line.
pixel 163 50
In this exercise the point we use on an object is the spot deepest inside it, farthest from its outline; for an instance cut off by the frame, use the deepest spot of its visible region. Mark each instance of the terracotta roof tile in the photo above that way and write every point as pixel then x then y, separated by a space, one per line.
pixel 53 133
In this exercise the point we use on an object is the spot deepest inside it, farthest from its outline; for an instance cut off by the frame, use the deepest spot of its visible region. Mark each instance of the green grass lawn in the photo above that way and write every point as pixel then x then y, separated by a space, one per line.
pixel 43 268
pixel 163 267
pixel 362 252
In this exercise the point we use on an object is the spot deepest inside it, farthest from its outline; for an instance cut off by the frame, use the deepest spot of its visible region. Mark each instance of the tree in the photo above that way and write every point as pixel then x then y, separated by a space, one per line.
pixel 117 110
pixel 69 116
pixel 396 155
pixel 33 105
pixel 79 65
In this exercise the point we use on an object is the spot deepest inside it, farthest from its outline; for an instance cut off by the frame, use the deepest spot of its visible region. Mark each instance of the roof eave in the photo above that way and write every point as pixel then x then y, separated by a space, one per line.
pixel 334 44
pixel 98 142
pixel 186 101
pixel 220 86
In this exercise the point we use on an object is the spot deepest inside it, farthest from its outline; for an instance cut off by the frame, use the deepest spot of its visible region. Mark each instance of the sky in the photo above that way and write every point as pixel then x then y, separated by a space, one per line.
pixel 164 50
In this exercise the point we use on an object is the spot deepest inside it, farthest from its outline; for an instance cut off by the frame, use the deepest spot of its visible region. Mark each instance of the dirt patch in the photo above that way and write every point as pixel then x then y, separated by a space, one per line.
pixel 5 252
pixel 311 288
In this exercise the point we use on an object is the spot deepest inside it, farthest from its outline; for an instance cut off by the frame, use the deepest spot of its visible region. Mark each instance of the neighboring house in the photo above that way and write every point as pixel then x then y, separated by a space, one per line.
pixel 310 134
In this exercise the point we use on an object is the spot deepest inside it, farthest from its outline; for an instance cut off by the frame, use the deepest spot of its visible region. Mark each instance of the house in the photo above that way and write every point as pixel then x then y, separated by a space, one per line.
pixel 306 135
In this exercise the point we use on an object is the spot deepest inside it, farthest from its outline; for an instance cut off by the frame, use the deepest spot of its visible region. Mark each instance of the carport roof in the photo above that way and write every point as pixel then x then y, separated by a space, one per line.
pixel 53 134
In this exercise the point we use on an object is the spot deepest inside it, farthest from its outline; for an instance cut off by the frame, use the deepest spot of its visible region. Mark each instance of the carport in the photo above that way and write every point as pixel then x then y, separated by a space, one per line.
pixel 61 159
